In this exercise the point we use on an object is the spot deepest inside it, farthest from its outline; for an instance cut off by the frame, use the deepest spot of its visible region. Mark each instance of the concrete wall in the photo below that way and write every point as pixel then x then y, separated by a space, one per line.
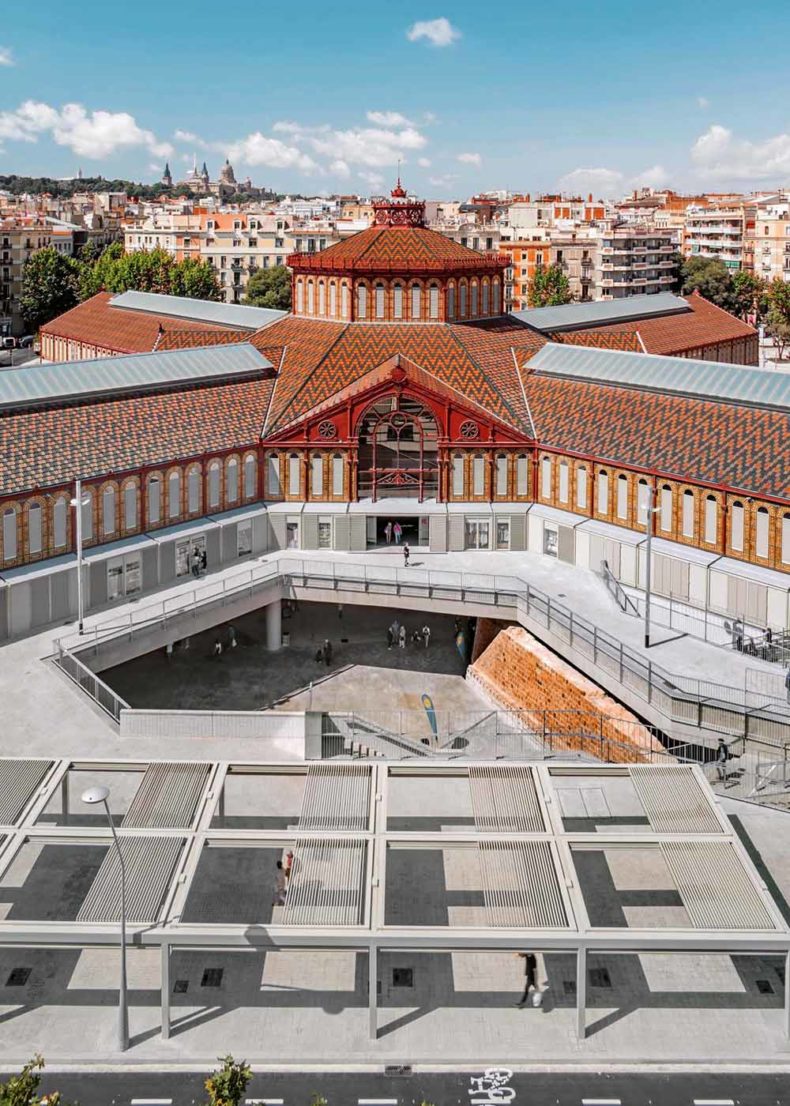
pixel 282 733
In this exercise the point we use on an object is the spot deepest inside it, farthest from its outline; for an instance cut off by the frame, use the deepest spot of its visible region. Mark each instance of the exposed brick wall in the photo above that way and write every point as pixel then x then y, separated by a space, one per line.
pixel 517 672
pixel 485 632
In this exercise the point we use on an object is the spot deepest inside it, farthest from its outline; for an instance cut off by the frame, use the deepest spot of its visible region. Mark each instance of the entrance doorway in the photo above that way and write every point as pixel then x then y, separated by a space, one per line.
pixel 414 530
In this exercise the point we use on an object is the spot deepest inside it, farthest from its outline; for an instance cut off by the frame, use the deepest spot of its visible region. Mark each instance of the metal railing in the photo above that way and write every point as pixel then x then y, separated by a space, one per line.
pixel 618 592
pixel 93 686
pixel 698 703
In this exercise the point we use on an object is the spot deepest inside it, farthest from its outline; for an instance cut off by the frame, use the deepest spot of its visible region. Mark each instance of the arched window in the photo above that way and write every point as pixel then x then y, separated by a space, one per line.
pixel 231 479
pixel 641 502
pixel 333 299
pixel 321 298
pixel 9 534
pixel 87 514
pixel 622 496
pixel 501 475
pixel 462 300
pixel 522 475
pixel 581 486
pixel 398 450
pixel 300 296
pixel 380 300
pixel 458 476
pixel 250 476
pixel 785 539
pixel 213 484
pixel 416 293
pixel 193 489
pixel 317 474
pixel 736 527
pixel 34 528
pixel 108 510
pixel 665 511
pixel 397 301
pixel 130 506
pixel 433 301
pixel 273 485
pixel 603 493
pixel 362 301
pixel 174 494
pixel 59 519
pixel 688 514
pixel 761 533
pixel 344 300
pixel 495 297
pixel 563 481
pixel 154 500
pixel 545 477
pixel 711 513
pixel 473 293
pixel 310 298
pixel 450 301
pixel 337 474
pixel 294 481
pixel 478 475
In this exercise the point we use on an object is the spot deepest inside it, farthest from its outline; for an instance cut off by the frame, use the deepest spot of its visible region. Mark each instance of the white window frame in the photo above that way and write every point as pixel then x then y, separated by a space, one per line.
pixel 603 493
pixel 581 486
pixel 762 530
pixel 10 533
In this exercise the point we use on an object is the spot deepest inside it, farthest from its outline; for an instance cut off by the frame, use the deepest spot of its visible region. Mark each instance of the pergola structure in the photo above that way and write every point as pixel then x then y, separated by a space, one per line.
pixel 527 841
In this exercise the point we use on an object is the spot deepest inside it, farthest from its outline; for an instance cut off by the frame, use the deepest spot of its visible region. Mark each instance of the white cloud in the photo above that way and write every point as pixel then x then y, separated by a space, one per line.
pixel 375 180
pixel 388 119
pixel 94 134
pixel 469 159
pixel 602 182
pixel 424 162
pixel 718 155
pixel 259 149
pixel 441 181
pixel 703 102
pixel 373 147
pixel 654 177
pixel 439 32
pixel 192 138
pixel 6 57
pixel 340 168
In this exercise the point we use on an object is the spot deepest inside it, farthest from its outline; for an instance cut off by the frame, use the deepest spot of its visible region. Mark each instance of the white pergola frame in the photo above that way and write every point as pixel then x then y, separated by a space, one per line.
pixel 372 935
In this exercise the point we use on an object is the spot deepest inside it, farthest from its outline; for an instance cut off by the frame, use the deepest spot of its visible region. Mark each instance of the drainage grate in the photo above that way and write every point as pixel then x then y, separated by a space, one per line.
pixel 764 987
pixel 569 986
pixel 391 1070
pixel 18 977
pixel 181 986
pixel 599 977
pixel 402 977
pixel 212 977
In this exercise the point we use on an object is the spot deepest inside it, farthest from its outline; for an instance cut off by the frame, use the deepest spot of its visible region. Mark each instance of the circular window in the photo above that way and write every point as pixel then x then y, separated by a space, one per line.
pixel 469 429
pixel 327 429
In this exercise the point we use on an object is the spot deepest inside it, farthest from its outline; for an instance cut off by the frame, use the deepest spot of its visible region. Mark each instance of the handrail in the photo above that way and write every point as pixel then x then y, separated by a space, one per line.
pixel 621 596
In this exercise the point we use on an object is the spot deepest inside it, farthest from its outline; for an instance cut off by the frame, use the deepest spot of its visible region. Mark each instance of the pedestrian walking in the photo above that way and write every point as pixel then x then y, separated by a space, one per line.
pixel 203 563
pixel 388 533
pixel 722 756
pixel 217 650
pixel 195 563
pixel 232 641
pixel 406 555
pixel 280 885
pixel 169 650
pixel 397 530
pixel 402 637
pixel 390 637
pixel 738 631
pixel 530 976
pixel 327 652
pixel 426 635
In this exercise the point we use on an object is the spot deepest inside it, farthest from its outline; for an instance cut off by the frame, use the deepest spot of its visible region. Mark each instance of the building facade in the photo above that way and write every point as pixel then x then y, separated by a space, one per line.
pixel 636 260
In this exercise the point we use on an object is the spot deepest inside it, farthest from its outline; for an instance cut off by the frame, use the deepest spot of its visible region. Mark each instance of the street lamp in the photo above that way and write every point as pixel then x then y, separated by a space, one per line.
pixel 650 510
pixel 93 796
pixel 78 503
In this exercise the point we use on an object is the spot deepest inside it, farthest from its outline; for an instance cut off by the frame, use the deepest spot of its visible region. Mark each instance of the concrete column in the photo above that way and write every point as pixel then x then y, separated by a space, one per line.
pixel 274 626
pixel 165 993
pixel 787 995
pixel 64 798
pixel 373 972
pixel 581 993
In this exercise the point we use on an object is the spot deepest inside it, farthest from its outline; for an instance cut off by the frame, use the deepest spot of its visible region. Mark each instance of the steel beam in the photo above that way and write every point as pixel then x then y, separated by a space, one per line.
pixel 373 970
pixel 787 995
pixel 165 994
pixel 581 992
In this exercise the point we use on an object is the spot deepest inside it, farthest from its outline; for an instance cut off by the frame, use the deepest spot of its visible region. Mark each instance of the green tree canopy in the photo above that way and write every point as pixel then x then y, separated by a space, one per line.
pixel 270 288
pixel 50 285
pixel 712 279
pixel 23 1089
pixel 226 1086
pixel 751 294
pixel 549 287
pixel 148 271
pixel 777 321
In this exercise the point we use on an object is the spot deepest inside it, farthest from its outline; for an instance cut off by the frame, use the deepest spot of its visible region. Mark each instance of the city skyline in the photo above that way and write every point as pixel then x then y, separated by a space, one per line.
pixel 595 105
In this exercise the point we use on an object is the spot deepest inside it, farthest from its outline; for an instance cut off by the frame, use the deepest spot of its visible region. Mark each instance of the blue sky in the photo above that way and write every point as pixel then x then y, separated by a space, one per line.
pixel 320 97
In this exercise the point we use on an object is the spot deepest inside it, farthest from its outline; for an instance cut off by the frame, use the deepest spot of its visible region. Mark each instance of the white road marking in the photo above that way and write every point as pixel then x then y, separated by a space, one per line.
pixel 378 1102
pixel 264 1101
pixel 714 1102
pixel 601 1102
pixel 152 1102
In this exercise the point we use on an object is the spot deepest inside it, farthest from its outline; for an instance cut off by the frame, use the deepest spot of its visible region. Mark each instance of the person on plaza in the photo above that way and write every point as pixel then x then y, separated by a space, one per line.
pixel 388 533
pixel 390 637
pixel 195 563
pixel 738 631
pixel 787 683
pixel 280 885
pixel 402 637
pixel 722 756
pixel 398 532
pixel 426 635
pixel 319 655
pixel 416 637
pixel 406 555
pixel 232 640
pixel 530 976
pixel 395 627
pixel 327 652
pixel 217 650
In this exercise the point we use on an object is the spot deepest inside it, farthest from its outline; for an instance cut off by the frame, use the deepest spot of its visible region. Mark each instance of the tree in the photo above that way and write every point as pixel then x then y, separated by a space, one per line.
pixel 751 295
pixel 148 271
pixel 777 321
pixel 549 287
pixel 49 287
pixel 22 1089
pixel 270 288
pixel 712 279
pixel 95 273
pixel 226 1086
pixel 195 279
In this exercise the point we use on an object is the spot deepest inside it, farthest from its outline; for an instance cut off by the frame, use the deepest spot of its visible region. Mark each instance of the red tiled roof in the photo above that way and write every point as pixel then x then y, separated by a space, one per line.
pixel 613 338
pixel 96 323
pixel 45 448
pixel 405 249
pixel 203 336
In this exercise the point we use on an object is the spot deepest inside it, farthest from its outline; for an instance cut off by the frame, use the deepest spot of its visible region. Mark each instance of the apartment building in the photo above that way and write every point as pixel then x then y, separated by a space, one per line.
pixel 723 232
pixel 577 254
pixel 20 237
pixel 636 260
pixel 771 241
pixel 525 255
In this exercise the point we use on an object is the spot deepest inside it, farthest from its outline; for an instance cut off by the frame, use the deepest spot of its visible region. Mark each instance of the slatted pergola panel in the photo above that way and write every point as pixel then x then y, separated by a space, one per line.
pixel 167 797
pixel 149 863
pixel 327 884
pixel 504 799
pixel 520 885
pixel 336 797
pixel 714 886
pixel 19 779
pixel 673 800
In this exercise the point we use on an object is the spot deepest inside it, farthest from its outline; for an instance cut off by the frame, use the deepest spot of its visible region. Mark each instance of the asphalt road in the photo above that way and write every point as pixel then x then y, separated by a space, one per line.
pixel 439 1089
pixel 20 358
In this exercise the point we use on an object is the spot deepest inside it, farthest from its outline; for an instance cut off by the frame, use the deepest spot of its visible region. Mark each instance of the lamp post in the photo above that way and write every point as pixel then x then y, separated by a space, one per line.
pixel 650 511
pixel 78 503
pixel 93 796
